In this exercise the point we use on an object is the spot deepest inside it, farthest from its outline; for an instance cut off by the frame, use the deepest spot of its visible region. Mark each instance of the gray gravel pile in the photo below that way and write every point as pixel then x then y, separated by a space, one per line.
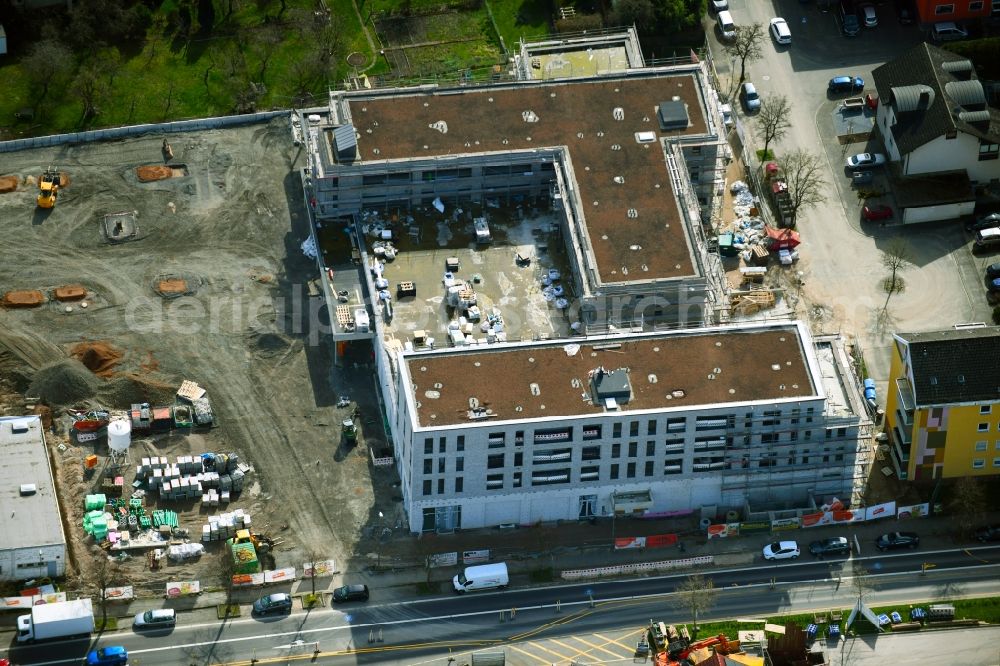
pixel 64 383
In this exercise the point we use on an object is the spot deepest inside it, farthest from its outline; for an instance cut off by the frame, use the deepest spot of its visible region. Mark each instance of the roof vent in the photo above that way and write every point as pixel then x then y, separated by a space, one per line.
pixel 673 115
pixel 611 385
pixel 960 69
pixel 28 489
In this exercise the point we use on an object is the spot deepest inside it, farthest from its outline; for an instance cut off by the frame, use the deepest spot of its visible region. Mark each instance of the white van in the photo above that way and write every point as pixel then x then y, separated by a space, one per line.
pixel 482 577
pixel 727 28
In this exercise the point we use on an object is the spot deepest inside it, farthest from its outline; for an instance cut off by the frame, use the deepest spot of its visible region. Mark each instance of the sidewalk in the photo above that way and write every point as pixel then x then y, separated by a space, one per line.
pixel 398 583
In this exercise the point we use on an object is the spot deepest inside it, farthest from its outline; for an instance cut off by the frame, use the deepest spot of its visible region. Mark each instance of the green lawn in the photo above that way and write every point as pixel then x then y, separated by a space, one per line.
pixel 520 19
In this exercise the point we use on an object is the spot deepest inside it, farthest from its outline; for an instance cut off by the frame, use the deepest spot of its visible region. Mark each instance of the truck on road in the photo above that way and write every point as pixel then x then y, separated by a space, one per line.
pixel 61 619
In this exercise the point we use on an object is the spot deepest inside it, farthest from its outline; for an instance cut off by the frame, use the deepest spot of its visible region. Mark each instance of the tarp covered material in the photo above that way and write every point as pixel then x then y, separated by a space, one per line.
pixel 783 239
pixel 861 608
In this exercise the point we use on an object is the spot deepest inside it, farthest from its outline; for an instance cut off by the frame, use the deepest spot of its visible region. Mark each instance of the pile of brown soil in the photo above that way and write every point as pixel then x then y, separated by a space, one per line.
pixel 148 174
pixel 98 357
pixel 70 292
pixel 172 286
pixel 64 383
pixel 127 389
pixel 23 299
pixel 8 184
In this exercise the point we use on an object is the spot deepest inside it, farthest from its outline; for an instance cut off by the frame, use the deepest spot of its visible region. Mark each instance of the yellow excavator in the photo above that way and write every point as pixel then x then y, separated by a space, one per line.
pixel 48 188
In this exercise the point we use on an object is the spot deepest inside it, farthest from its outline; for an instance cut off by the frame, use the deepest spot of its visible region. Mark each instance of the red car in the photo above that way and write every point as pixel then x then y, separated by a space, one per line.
pixel 879 212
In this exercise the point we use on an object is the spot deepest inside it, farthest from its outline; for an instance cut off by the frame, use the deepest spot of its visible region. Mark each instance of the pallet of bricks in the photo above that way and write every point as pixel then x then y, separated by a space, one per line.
pixel 211 478
pixel 225 525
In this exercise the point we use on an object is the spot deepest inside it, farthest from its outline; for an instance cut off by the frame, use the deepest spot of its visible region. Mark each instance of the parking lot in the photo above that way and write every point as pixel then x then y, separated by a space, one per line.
pixel 841 256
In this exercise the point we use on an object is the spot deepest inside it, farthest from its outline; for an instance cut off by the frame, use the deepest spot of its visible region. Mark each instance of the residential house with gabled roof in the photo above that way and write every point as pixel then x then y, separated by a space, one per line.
pixel 935 120
pixel 943 405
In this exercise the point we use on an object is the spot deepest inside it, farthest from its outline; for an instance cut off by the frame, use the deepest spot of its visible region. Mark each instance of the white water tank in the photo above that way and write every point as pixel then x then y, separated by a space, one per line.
pixel 119 435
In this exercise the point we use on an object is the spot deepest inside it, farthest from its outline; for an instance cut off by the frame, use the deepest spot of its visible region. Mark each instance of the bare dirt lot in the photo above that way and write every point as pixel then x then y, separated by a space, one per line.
pixel 249 333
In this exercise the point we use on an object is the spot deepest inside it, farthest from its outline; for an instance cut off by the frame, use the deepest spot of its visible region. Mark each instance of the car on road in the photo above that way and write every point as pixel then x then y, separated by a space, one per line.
pixel 947 31
pixel 832 546
pixel 987 222
pixel 871 18
pixel 155 619
pixel 987 533
pixel 113 655
pixel 781 550
pixel 273 603
pixel 845 84
pixel 993 271
pixel 897 540
pixel 865 161
pixel 351 593
pixel 719 5
pixel 876 212
pixel 749 97
pixel 780 32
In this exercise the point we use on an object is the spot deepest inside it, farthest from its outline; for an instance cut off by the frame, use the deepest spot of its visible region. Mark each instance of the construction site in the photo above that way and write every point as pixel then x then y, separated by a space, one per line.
pixel 157 318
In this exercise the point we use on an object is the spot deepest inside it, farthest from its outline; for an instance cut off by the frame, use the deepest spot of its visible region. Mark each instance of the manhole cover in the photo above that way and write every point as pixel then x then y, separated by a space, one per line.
pixel 357 59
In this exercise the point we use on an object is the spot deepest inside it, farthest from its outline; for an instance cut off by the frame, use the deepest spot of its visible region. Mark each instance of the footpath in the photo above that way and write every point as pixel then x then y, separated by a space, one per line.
pixel 389 584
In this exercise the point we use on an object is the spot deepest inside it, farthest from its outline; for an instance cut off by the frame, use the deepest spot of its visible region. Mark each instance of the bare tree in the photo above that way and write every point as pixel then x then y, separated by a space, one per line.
pixel 896 257
pixel 266 42
pixel 635 12
pixel 862 583
pixel 90 86
pixel 747 46
pixel 968 502
pixel 773 120
pixel 106 574
pixel 804 175
pixel 698 594
pixel 48 62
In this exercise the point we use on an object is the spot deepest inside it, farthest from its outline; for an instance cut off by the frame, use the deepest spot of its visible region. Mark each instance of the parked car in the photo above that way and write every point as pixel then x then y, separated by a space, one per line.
pixel 991 220
pixel 871 18
pixel 906 12
pixel 987 533
pixel 114 655
pixel 849 21
pixel 987 239
pixel 865 161
pixel 273 603
pixel 781 550
pixel 780 32
pixel 845 84
pixel 726 25
pixel 897 540
pixel 155 619
pixel 876 212
pixel 993 271
pixel 947 31
pixel 351 593
pixel 833 546
pixel 749 97
pixel 719 5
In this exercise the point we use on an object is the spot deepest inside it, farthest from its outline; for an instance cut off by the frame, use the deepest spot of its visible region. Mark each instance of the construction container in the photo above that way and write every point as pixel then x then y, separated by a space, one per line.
pixel 245 558
pixel 90 462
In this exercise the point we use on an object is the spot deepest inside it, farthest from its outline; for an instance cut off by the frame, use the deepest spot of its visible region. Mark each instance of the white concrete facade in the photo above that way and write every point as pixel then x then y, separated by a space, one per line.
pixel 483 474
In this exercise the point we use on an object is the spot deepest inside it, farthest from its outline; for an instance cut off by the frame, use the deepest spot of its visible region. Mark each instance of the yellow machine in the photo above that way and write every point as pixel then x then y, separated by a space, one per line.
pixel 48 188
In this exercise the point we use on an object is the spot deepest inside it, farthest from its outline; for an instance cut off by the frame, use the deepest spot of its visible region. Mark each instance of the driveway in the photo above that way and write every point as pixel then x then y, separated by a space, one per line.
pixel 841 257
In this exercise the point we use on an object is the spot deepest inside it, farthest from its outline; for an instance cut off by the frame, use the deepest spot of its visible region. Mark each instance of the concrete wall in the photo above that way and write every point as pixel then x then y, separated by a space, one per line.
pixel 33 562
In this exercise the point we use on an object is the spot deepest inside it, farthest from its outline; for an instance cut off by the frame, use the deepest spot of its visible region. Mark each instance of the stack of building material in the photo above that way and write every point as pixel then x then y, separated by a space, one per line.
pixel 225 525
pixel 193 477
pixel 185 551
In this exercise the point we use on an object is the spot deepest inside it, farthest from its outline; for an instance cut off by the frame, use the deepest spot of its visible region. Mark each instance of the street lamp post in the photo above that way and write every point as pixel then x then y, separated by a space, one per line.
pixel 381 525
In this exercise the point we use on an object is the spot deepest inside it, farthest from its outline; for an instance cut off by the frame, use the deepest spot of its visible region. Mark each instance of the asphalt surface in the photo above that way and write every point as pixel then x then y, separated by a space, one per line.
pixel 423 628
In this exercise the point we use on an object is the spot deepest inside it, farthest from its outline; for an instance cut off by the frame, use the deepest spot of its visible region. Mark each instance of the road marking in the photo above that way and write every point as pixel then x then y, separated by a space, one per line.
pixel 621 645
pixel 578 652
pixel 595 646
pixel 545 649
pixel 528 654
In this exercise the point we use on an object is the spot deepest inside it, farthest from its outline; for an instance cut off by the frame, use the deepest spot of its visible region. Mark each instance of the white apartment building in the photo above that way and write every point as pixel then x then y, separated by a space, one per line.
pixel 570 429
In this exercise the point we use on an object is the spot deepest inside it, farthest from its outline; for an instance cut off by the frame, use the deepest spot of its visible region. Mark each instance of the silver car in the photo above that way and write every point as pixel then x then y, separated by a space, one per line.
pixel 865 161
pixel 159 618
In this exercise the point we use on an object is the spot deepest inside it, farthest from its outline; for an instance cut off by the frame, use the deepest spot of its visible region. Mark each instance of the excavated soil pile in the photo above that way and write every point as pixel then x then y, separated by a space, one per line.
pixel 128 389
pixel 8 184
pixel 171 286
pixel 23 299
pixel 148 174
pixel 45 412
pixel 64 382
pixel 70 292
pixel 99 357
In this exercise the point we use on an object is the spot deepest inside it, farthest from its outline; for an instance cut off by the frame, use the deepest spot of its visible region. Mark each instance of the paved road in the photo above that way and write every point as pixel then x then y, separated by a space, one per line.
pixel 841 257
pixel 431 626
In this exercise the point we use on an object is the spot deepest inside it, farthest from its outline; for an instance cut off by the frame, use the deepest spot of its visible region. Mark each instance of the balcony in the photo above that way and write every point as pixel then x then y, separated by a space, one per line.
pixel 901 435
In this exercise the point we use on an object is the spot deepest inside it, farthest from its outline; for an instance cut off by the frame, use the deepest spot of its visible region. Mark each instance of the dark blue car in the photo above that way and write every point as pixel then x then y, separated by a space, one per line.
pixel 845 84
